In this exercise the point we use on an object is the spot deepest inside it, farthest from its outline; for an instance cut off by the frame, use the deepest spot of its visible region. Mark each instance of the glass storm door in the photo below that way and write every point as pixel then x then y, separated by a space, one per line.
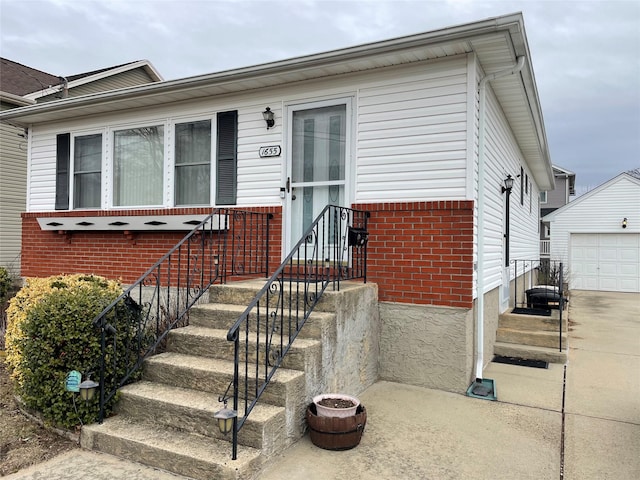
pixel 316 166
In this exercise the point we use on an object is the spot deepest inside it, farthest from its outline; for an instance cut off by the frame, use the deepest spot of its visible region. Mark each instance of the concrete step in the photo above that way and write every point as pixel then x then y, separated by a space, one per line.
pixel 245 291
pixel 525 337
pixel 213 375
pixel 191 410
pixel 551 355
pixel 188 454
pixel 213 343
pixel 223 316
pixel 533 322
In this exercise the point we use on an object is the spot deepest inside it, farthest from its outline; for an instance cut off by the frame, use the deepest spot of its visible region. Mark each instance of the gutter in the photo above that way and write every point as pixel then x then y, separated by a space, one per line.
pixel 273 69
pixel 481 207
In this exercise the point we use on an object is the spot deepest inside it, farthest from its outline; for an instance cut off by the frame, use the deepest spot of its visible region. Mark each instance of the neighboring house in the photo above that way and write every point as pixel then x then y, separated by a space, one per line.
pixel 597 236
pixel 420 131
pixel 20 86
pixel 552 200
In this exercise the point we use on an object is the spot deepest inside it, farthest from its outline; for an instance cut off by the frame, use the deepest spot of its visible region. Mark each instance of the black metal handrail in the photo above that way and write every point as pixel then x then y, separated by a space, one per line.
pixel 228 242
pixel 332 249
pixel 548 276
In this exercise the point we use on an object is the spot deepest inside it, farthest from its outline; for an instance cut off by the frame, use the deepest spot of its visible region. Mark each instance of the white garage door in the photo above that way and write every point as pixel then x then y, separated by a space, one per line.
pixel 605 261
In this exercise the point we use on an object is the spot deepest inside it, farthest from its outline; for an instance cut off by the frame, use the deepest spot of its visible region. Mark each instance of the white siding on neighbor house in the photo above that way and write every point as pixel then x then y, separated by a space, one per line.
pixel 412 136
pixel 503 157
pixel 411 142
pixel 600 211
pixel 13 185
pixel 129 78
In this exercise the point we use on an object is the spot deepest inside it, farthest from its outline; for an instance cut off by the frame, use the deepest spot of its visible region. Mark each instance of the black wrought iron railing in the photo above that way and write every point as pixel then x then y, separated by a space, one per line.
pixel 228 242
pixel 331 250
pixel 539 288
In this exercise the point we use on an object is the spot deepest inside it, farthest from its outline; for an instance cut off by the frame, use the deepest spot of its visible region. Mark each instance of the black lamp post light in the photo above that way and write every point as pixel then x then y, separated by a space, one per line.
pixel 508 185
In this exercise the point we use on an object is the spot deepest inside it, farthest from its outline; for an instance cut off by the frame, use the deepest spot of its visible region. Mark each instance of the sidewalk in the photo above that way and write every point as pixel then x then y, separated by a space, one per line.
pixel 415 433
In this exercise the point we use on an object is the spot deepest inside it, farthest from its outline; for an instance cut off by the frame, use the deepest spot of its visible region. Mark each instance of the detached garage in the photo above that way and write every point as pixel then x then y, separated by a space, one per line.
pixel 597 236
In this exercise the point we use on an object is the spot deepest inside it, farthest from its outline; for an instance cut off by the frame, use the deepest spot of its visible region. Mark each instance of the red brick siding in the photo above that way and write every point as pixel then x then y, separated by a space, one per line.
pixel 421 252
pixel 122 255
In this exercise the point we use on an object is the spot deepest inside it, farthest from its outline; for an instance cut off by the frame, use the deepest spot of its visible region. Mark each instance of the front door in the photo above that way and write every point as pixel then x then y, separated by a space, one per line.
pixel 317 165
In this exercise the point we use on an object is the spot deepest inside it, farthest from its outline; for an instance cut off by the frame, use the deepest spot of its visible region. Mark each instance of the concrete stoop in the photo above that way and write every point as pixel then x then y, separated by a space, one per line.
pixel 166 419
pixel 533 337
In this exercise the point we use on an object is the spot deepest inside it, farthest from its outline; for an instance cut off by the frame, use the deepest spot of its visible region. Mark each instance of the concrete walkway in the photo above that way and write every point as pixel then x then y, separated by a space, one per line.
pixel 417 434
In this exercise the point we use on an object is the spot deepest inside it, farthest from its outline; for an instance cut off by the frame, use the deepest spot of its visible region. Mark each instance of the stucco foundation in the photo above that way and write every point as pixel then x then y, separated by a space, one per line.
pixel 427 346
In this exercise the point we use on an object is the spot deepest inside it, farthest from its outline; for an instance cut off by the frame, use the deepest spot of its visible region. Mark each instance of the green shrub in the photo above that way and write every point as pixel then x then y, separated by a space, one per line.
pixel 50 332
pixel 6 284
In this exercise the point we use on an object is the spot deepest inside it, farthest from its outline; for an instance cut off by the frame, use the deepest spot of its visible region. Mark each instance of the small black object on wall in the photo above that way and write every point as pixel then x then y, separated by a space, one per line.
pixel 357 237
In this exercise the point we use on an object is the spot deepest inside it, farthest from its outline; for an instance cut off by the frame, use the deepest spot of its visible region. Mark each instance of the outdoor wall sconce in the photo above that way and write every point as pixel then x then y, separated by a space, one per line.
pixel 225 418
pixel 269 117
pixel 88 389
pixel 508 184
pixel 624 222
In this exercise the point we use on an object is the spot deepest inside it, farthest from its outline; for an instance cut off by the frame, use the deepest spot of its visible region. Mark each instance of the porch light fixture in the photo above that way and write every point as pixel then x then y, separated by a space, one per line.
pixel 624 222
pixel 88 389
pixel 269 117
pixel 225 418
pixel 508 184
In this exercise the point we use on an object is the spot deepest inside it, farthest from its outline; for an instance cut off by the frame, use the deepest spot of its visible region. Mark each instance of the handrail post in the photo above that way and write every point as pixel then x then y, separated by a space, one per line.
pixel 561 302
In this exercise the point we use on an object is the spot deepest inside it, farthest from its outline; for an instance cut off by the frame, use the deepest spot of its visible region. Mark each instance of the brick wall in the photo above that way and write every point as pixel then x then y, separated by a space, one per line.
pixel 422 252
pixel 113 254
pixel 418 253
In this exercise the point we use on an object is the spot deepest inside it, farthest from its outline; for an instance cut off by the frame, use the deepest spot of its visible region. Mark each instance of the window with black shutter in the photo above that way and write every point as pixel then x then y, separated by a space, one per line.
pixel 227 158
pixel 63 151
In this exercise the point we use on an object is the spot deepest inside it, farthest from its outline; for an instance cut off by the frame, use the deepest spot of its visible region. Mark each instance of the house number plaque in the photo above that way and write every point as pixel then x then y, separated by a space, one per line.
pixel 272 151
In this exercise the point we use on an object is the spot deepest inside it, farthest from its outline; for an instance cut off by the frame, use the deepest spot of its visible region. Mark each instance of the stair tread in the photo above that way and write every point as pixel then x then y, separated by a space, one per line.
pixel 209 364
pixel 207 332
pixel 531 332
pixel 529 347
pixel 241 308
pixel 193 399
pixel 174 442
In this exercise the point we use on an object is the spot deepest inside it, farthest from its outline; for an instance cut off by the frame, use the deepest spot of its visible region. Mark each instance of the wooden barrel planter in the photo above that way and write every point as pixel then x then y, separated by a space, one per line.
pixel 336 433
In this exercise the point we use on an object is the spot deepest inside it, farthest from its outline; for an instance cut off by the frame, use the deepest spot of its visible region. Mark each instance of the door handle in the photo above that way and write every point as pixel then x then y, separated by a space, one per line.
pixel 288 184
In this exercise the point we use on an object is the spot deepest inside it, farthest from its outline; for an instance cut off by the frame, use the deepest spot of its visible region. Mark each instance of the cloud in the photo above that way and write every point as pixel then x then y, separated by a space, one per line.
pixel 586 54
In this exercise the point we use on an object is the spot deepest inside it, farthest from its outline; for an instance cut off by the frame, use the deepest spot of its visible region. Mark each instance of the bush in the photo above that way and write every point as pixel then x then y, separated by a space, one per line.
pixel 50 332
pixel 7 290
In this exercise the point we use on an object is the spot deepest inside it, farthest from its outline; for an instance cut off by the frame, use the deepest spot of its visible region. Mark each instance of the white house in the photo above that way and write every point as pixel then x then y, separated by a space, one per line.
pixel 420 131
pixel 597 236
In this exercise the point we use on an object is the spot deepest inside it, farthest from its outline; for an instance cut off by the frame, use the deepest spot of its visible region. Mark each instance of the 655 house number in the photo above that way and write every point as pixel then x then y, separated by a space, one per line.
pixel 271 151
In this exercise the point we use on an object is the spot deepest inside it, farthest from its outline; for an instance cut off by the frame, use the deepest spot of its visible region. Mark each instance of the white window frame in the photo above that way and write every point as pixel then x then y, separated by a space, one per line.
pixel 72 166
pixel 543 197
pixel 110 163
pixel 171 140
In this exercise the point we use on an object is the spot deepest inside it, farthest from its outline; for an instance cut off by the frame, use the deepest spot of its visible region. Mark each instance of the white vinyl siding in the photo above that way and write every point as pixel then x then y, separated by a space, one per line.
pixel 13 172
pixel 599 211
pixel 412 136
pixel 503 157
pixel 130 78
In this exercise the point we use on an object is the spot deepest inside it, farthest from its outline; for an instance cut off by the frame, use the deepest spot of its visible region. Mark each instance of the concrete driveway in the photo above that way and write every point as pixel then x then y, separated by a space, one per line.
pixel 575 422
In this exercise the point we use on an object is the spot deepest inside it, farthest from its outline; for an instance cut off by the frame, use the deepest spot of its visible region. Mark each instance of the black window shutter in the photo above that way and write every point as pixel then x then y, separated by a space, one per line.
pixel 227 158
pixel 63 151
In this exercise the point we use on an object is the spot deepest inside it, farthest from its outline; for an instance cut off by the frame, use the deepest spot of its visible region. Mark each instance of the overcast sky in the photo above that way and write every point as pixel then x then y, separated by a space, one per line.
pixel 586 54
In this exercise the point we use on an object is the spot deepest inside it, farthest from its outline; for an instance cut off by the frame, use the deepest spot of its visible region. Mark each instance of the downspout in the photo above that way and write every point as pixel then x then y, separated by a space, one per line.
pixel 481 161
